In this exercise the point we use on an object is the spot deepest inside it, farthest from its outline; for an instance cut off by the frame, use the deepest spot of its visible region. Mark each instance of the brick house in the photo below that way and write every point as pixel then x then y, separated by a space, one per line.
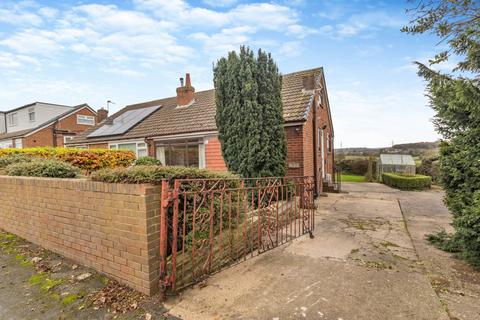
pixel 181 130
pixel 42 124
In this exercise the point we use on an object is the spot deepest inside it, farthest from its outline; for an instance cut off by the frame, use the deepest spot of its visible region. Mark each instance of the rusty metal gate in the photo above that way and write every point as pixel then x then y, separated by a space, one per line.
pixel 209 224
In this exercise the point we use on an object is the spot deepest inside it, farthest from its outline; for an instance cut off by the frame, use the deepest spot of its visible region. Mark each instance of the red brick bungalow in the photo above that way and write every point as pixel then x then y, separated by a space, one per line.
pixel 181 130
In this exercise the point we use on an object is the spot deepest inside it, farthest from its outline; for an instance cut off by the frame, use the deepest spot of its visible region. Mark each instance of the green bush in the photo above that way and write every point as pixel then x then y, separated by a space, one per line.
pixel 430 167
pixel 43 168
pixel 154 174
pixel 416 182
pixel 357 167
pixel 14 158
pixel 86 159
pixel 147 161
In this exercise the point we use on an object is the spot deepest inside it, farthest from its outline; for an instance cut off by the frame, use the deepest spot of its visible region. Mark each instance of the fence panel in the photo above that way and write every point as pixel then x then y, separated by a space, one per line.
pixel 209 224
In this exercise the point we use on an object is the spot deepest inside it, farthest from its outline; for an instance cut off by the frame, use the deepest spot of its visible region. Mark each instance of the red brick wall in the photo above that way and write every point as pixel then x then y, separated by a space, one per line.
pixel 113 228
pixel 44 137
pixel 295 150
pixel 98 146
pixel 213 155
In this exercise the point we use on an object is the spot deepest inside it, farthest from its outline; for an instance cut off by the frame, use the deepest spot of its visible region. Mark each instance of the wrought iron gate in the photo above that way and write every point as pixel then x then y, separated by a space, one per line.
pixel 209 224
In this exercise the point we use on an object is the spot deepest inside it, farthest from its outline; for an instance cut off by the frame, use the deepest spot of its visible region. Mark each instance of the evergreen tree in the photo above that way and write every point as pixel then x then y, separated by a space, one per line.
pixel 250 113
pixel 456 100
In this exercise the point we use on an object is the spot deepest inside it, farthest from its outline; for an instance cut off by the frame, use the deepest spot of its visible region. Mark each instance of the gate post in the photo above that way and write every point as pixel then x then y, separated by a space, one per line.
pixel 164 203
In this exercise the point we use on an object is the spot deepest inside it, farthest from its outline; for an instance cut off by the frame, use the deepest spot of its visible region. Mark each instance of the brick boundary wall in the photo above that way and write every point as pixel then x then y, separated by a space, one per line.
pixel 112 228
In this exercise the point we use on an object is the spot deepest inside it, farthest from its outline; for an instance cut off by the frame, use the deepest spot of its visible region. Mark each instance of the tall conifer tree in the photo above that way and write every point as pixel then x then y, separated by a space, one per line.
pixel 250 113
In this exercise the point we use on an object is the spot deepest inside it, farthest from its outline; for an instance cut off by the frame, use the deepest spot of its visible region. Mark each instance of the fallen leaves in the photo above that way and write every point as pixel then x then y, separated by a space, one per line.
pixel 117 298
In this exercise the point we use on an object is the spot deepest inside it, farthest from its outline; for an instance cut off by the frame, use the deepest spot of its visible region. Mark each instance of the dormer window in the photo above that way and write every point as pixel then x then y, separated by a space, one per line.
pixel 31 114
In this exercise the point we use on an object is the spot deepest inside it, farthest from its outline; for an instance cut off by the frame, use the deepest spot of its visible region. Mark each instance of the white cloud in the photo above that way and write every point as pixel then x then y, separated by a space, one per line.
pixel 220 3
pixel 125 72
pixel 48 12
pixel 226 40
pixel 290 48
pixel 33 42
pixel 369 21
pixel 13 61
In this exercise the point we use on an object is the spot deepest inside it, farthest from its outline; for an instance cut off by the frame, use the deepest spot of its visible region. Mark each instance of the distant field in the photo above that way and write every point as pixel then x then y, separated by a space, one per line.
pixel 352 178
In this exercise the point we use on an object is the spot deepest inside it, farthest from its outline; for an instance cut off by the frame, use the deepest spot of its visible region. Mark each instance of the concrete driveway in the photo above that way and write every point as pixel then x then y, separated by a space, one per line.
pixel 368 260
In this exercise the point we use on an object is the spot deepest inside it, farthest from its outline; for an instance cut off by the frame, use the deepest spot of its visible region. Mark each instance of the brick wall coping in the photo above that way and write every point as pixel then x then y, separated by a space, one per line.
pixel 82 185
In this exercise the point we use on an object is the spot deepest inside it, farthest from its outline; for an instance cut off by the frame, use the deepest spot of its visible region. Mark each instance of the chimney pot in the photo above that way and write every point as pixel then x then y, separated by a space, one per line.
pixel 181 82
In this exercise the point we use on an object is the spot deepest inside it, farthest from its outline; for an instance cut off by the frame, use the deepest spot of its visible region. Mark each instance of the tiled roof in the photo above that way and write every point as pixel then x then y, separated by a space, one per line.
pixel 10 135
pixel 200 116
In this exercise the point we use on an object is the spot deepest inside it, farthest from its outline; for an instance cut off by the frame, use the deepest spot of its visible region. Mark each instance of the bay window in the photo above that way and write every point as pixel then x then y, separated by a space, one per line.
pixel 185 153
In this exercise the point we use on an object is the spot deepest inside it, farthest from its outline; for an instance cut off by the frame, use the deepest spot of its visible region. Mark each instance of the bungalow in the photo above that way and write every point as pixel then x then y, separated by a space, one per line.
pixel 181 130
pixel 41 124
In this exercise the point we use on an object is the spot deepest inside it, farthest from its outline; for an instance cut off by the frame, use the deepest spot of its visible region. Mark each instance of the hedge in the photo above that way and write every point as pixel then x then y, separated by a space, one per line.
pixel 43 168
pixel 156 174
pixel 403 182
pixel 147 161
pixel 87 160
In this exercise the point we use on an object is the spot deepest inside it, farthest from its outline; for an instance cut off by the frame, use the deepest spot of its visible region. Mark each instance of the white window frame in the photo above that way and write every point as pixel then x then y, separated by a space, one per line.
pixel 12 119
pixel 160 153
pixel 31 111
pixel 66 139
pixel 141 147
pixel 85 120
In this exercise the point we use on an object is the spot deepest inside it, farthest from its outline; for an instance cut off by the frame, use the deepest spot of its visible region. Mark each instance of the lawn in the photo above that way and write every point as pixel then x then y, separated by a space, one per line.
pixel 352 178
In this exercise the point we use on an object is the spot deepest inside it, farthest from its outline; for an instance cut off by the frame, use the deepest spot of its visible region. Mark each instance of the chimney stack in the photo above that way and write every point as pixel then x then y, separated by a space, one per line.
pixel 185 93
pixel 102 115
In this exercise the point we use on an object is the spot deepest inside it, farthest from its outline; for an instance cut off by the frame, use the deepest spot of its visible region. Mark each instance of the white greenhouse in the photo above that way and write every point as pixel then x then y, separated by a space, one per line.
pixel 395 163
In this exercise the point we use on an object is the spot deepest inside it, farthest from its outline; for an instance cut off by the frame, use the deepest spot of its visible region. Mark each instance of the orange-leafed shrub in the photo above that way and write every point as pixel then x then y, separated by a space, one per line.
pixel 86 160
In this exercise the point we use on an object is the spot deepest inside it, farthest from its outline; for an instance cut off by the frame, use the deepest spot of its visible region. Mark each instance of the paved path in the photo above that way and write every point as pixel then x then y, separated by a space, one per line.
pixel 368 260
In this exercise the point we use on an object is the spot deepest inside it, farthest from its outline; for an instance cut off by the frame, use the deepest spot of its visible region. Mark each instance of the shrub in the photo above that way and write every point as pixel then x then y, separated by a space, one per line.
pixel 154 174
pixel 430 167
pixel 416 182
pixel 147 161
pixel 200 200
pixel 14 158
pixel 43 168
pixel 87 160
pixel 357 167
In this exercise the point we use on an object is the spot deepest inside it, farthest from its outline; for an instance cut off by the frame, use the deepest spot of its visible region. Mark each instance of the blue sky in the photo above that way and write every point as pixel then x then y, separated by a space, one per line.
pixel 132 51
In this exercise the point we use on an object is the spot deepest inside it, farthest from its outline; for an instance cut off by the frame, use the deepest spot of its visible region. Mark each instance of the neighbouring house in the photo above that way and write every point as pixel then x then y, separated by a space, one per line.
pixel 181 130
pixel 42 124
pixel 395 163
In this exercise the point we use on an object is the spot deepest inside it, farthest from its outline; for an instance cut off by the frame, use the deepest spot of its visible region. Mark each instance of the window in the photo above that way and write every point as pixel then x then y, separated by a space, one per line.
pixel 31 114
pixel 67 139
pixel 140 148
pixel 86 120
pixel 6 144
pixel 13 119
pixel 18 143
pixel 182 153
pixel 329 143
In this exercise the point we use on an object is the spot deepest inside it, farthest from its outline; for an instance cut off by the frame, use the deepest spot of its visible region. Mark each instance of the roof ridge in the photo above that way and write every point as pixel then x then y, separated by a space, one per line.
pixel 303 71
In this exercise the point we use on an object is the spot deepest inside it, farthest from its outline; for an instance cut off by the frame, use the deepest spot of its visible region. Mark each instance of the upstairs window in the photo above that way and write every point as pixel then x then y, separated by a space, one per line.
pixel 86 120
pixel 329 142
pixel 12 119
pixel 31 114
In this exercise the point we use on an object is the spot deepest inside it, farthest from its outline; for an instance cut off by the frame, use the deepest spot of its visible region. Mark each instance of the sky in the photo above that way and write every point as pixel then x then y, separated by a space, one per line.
pixel 129 51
